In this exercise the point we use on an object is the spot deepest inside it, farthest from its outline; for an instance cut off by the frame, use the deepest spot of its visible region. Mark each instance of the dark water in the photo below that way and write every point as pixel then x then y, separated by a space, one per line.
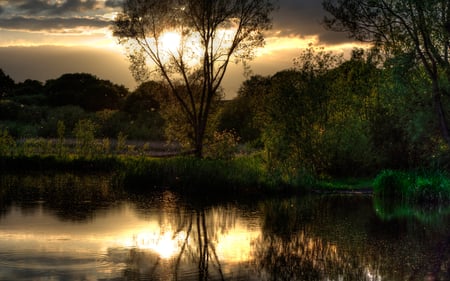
pixel 69 227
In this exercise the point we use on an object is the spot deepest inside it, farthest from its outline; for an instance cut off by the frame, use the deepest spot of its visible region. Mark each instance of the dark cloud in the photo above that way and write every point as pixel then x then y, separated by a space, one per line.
pixel 114 3
pixel 41 24
pixel 303 18
pixel 42 7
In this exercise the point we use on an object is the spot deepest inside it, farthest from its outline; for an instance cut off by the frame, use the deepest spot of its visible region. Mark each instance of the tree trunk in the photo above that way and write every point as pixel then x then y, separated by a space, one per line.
pixel 443 125
pixel 198 142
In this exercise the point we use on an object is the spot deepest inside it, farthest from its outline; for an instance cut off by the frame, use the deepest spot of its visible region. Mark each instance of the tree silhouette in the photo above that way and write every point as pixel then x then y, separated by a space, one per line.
pixel 206 35
pixel 84 90
pixel 6 84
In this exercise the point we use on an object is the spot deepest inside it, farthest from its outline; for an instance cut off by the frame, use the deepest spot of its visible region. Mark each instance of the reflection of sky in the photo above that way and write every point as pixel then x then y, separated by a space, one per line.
pixel 35 244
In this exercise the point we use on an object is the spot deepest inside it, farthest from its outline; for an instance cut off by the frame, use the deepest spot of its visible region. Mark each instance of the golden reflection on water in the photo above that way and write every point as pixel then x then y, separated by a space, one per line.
pixel 165 243
pixel 57 237
pixel 129 236
pixel 40 230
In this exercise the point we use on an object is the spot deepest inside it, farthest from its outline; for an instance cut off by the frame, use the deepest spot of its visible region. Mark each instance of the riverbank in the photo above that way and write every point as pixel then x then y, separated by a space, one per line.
pixel 246 174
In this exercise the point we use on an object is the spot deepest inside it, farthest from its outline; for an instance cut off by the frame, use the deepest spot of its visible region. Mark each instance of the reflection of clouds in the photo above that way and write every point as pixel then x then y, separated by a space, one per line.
pixel 39 245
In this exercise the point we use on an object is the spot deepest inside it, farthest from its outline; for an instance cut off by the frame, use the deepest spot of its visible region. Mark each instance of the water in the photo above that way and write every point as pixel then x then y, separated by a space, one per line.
pixel 71 227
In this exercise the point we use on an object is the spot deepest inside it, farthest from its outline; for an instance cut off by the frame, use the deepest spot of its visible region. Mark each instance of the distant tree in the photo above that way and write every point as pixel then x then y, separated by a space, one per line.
pixel 241 113
pixel 146 98
pixel 86 91
pixel 145 105
pixel 416 27
pixel 29 92
pixel 206 36
pixel 28 87
pixel 6 84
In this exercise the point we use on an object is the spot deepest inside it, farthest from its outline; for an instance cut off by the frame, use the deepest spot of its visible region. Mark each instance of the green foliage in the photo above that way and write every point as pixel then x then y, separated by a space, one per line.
pixel 391 184
pixel 413 186
pixel 224 145
pixel 193 77
pixel 195 175
pixel 60 132
pixel 317 118
pixel 121 142
pixel 84 132
pixel 243 113
pixel 70 115
pixel 84 90
pixel 7 143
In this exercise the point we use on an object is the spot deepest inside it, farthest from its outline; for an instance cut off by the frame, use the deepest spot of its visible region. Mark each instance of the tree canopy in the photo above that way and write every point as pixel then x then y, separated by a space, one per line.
pixel 85 90
pixel 419 29
pixel 190 43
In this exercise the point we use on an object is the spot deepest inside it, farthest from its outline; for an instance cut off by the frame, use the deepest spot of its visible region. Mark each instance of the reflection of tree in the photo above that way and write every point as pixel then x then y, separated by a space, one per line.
pixel 70 196
pixel 297 245
pixel 197 258
pixel 341 238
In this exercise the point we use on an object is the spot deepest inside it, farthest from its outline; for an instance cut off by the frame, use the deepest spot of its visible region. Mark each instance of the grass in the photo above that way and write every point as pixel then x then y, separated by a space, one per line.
pixel 345 185
pixel 247 173
pixel 413 186
pixel 198 175
pixel 141 173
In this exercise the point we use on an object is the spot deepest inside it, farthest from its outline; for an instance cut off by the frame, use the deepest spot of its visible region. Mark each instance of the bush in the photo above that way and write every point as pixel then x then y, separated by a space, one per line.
pixel 84 132
pixel 413 186
pixel 224 145
pixel 7 143
pixel 391 184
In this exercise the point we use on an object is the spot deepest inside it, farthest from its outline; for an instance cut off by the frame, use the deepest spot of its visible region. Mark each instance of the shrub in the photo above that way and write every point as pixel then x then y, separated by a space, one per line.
pixel 7 143
pixel 391 184
pixel 84 132
pixel 413 186
pixel 224 145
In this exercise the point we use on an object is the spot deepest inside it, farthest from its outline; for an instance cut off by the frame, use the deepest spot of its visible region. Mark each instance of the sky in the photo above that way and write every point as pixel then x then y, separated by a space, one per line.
pixel 43 39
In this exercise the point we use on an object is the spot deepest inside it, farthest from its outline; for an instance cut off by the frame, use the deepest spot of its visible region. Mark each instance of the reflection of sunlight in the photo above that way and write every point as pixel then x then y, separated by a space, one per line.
pixel 236 245
pixel 165 244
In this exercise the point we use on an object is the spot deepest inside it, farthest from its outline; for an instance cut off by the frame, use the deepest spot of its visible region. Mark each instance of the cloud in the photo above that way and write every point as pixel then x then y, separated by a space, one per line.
pixel 114 3
pixel 41 7
pixel 50 24
pixel 302 19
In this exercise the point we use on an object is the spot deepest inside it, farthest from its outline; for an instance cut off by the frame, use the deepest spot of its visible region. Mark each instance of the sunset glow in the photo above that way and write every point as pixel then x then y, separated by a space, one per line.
pixel 170 41
pixel 88 24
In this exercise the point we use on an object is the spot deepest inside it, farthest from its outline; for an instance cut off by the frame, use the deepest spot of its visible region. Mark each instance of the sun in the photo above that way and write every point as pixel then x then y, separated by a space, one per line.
pixel 170 41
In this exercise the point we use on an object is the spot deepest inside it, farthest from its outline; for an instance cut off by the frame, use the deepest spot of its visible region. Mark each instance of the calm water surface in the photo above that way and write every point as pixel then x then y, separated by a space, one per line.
pixel 70 227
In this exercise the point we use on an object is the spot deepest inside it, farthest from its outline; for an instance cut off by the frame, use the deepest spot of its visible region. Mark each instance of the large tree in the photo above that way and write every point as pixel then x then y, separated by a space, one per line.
pixel 415 27
pixel 190 44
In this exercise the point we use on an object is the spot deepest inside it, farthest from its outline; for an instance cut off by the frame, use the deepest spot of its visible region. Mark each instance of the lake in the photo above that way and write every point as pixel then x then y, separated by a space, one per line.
pixel 78 227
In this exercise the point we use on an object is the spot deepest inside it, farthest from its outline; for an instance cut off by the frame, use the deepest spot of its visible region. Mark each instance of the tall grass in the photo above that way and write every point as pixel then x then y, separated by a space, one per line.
pixel 415 186
pixel 192 174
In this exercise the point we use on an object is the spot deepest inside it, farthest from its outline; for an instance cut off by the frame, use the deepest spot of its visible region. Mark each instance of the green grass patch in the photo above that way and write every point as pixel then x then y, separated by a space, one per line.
pixel 346 184
pixel 415 186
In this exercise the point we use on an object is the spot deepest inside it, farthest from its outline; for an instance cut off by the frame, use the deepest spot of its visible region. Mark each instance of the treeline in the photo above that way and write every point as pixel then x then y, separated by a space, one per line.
pixel 333 117
pixel 324 117
pixel 33 109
